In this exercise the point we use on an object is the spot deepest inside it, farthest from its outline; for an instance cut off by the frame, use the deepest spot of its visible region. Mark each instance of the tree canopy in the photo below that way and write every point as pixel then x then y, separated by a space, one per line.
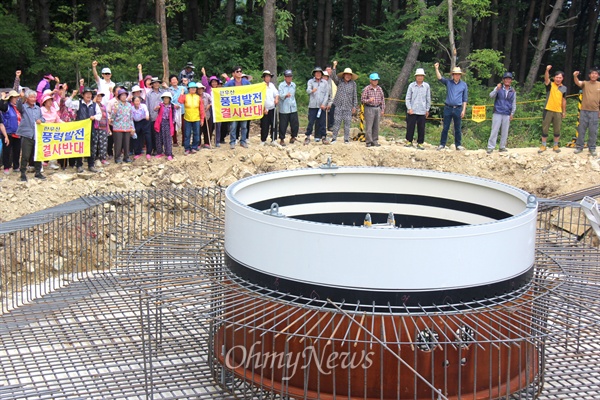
pixel 486 37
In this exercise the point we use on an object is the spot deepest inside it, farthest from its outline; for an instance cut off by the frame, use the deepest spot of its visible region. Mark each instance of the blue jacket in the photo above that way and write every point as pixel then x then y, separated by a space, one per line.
pixel 506 101
pixel 11 122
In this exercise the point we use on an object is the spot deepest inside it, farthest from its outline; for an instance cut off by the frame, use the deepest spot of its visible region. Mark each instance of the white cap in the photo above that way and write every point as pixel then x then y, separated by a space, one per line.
pixel 106 71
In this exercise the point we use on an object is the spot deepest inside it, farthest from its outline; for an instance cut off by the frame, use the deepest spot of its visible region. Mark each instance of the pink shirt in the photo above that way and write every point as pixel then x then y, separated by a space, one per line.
pixel 51 115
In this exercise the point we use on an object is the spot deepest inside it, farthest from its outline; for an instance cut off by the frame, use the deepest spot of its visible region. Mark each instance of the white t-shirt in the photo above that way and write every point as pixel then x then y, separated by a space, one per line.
pixel 106 88
pixel 272 93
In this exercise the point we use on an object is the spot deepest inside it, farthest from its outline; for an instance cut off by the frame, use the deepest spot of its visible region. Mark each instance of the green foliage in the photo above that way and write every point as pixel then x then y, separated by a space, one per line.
pixel 486 62
pixel 283 21
pixel 174 7
pixel 17 48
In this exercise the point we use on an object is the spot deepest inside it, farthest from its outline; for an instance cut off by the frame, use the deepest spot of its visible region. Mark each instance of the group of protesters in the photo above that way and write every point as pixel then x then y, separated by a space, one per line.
pixel 126 124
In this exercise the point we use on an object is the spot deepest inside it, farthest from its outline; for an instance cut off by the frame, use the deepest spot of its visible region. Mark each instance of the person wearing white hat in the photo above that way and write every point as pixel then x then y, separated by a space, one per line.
pixel 418 104
pixel 346 102
pixel 373 99
pixel 267 122
pixel 455 105
pixel 105 84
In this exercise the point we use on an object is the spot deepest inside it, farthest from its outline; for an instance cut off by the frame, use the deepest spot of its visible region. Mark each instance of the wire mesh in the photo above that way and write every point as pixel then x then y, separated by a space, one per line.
pixel 153 326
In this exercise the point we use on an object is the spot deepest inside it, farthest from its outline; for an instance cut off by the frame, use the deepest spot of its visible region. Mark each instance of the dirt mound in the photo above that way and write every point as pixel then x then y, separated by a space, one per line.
pixel 544 175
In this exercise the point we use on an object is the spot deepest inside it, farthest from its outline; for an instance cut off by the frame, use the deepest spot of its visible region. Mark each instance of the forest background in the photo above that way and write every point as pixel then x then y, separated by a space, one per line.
pixel 483 37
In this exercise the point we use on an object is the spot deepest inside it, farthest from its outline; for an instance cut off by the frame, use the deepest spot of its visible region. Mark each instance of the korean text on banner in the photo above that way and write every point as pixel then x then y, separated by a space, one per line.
pixel 239 103
pixel 478 114
pixel 64 140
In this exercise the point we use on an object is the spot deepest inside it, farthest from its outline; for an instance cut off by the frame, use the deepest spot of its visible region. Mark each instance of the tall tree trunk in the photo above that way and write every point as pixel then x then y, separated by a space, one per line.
pixel 347 16
pixel 327 32
pixel 230 12
pixel 291 37
pixel 319 34
pixel 542 18
pixel 570 42
pixel 510 34
pixel 119 7
pixel 43 22
pixel 23 11
pixel 451 41
pixel 162 21
pixel 97 13
pixel 541 45
pixel 465 41
pixel 591 39
pixel 193 19
pixel 141 14
pixel 525 43
pixel 494 43
pixel 364 16
pixel 269 38
pixel 394 6
pixel 379 13
pixel 249 7
pixel 309 28
pixel 398 88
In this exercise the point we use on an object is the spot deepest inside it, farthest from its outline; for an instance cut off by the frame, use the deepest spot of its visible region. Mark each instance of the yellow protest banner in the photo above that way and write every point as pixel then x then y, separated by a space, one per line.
pixel 64 140
pixel 478 114
pixel 239 103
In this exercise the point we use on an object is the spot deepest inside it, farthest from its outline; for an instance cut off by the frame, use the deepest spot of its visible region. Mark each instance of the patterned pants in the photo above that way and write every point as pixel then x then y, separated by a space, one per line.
pixel 345 116
pixel 164 139
pixel 99 144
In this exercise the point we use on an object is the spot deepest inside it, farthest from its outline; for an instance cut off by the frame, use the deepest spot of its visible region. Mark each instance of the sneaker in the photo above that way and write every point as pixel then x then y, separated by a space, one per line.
pixel 39 176
pixel 44 164
pixel 119 161
pixel 263 143
pixel 127 160
pixel 556 149
pixel 217 144
pixel 92 169
pixel 16 170
pixel 79 170
pixel 292 140
pixel 148 157
pixel 194 151
pixel 593 153
pixel 159 156
pixel 346 141
pixel 307 141
pixel 489 151
pixel 409 144
pixel 137 156
pixel 420 147
pixel 325 141
pixel 244 145
pixel 333 141
pixel 369 145
pixel 459 148
pixel 577 151
pixel 232 145
pixel 503 150
pixel 440 147
pixel 376 145
pixel 206 146
pixel 317 140
pixel 543 149
pixel 186 153
pixel 6 171
pixel 53 165
pixel 170 158
pixel 23 177
pixel 104 162
pixel 282 142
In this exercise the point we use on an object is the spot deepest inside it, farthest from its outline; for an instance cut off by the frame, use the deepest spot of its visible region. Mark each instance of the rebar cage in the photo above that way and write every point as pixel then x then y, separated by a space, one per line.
pixel 127 295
